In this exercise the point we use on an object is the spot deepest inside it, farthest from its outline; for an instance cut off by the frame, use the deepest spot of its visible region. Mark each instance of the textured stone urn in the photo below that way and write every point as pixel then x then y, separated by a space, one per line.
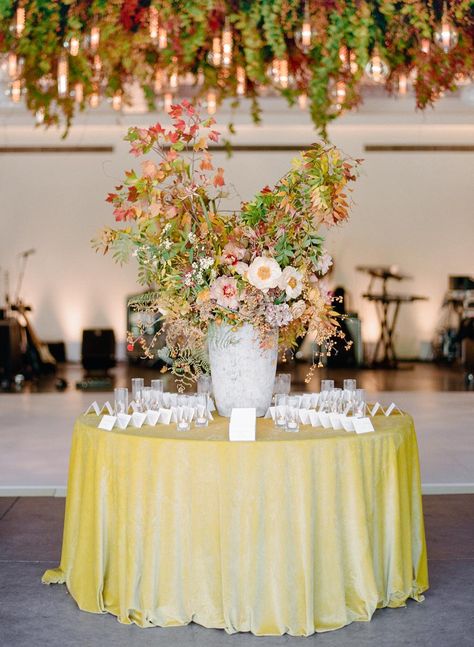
pixel 243 373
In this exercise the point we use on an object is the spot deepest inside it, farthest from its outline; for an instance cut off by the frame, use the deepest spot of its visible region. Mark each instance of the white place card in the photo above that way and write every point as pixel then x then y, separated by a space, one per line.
pixel 324 419
pixel 243 422
pixel 393 407
pixel 304 416
pixel 165 416
pixel 347 423
pixel 335 419
pixel 123 420
pixel 133 406
pixel 107 422
pixel 93 407
pixel 108 408
pixel 362 425
pixel 138 419
pixel 347 408
pixel 152 417
pixel 314 399
pixel 314 418
pixel 375 408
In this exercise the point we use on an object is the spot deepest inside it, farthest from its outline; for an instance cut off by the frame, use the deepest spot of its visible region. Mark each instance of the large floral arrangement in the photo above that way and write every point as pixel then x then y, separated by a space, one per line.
pixel 63 55
pixel 263 265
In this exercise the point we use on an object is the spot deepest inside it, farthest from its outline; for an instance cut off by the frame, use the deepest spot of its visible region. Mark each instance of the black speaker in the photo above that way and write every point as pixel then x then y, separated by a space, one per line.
pixel 98 349
pixel 10 348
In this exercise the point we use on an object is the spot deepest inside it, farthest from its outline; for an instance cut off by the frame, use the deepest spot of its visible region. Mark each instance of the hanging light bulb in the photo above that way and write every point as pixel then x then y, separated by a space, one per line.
pixel 303 100
pixel 279 73
pixel 211 102
pixel 338 93
pixel 15 91
pixel 63 72
pixel 162 38
pixel 304 36
pixel 227 40
pixel 78 92
pixel 95 38
pixel 348 60
pixel 12 65
pixel 94 99
pixel 446 35
pixel 425 45
pixel 241 80
pixel 153 23
pixel 377 69
pixel 117 100
pixel 402 84
pixel 72 45
pixel 39 115
pixel 215 55
pixel 19 25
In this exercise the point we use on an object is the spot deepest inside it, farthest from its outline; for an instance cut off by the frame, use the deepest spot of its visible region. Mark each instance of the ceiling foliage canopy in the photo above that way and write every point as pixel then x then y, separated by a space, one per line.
pixel 60 57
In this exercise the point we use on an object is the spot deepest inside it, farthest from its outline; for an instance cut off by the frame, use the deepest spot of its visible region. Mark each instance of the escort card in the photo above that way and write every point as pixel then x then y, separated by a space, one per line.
pixel 314 418
pixel 123 419
pixel 243 421
pixel 165 416
pixel 108 408
pixel 134 406
pixel 93 407
pixel 304 416
pixel 393 407
pixel 107 423
pixel 324 419
pixel 375 408
pixel 362 425
pixel 152 417
pixel 138 419
pixel 347 423
pixel 314 400
pixel 335 419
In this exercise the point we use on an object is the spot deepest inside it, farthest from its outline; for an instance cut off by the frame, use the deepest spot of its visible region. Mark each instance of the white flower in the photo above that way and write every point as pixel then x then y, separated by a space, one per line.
pixel 292 282
pixel 264 273
pixel 224 290
pixel 278 315
pixel 232 253
pixel 324 263
pixel 241 268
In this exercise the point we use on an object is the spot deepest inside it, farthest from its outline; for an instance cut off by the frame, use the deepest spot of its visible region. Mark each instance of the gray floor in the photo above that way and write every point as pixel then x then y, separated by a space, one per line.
pixel 32 614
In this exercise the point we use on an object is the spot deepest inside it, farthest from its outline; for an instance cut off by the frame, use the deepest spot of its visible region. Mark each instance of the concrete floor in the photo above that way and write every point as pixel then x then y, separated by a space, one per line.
pixel 32 614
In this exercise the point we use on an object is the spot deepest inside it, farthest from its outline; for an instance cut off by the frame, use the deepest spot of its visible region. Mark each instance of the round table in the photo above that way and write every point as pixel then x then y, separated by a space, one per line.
pixel 292 533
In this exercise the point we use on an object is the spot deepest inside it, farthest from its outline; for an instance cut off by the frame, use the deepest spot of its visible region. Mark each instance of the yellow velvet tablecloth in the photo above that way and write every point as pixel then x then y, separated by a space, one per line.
pixel 293 533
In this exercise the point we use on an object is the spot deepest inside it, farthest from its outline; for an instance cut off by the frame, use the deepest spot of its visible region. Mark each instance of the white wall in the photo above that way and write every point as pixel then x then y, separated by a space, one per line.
pixel 411 209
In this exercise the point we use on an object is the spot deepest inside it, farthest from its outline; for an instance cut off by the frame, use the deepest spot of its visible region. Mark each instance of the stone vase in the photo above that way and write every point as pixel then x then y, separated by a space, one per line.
pixel 243 373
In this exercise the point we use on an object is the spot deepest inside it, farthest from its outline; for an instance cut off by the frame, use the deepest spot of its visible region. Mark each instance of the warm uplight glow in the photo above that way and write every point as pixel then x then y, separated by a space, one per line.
pixel 402 84
pixel 95 38
pixel 425 45
pixel 162 38
pixel 153 23
pixel 117 101
pixel 167 101
pixel 376 69
pixel 78 92
pixel 279 73
pixel 12 65
pixel 158 81
pixel 211 102
pixel 215 56
pixel 74 46
pixel 241 80
pixel 63 71
pixel 227 39
pixel 19 21
pixel 15 91
pixel 94 99
pixel 303 100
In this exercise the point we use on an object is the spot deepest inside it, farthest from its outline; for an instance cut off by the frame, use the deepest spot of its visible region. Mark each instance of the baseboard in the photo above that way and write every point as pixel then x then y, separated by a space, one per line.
pixel 32 490
pixel 447 488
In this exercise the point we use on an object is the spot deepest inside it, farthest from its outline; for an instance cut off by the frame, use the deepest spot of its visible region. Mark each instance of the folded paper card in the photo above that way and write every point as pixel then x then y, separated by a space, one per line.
pixel 152 417
pixel 362 425
pixel 304 416
pixel 107 422
pixel 347 423
pixel 243 422
pixel 123 420
pixel 391 409
pixel 138 419
pixel 324 419
pixel 93 408
pixel 107 408
pixel 314 419
pixel 165 416
pixel 335 419
pixel 377 407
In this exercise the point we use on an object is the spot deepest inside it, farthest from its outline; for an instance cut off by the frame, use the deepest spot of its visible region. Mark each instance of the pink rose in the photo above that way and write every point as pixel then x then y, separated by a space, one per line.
pixel 224 290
